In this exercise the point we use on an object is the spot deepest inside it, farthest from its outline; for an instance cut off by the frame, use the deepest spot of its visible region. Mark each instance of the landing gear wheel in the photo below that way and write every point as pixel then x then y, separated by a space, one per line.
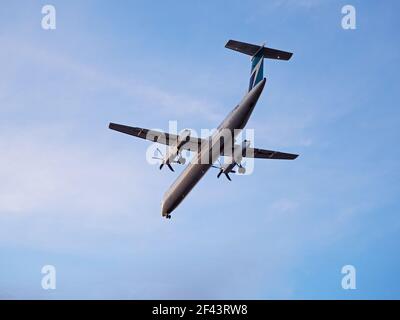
pixel 242 170
pixel 168 216
pixel 182 160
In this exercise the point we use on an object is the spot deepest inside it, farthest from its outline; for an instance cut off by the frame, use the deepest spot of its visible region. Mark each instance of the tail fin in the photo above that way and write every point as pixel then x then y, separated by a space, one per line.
pixel 258 54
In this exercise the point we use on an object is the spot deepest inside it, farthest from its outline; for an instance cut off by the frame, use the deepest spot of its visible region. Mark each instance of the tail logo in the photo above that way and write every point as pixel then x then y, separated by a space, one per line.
pixel 257 70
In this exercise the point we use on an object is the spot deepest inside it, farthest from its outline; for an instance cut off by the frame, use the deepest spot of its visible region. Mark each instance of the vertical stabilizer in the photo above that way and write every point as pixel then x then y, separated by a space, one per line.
pixel 258 53
pixel 257 69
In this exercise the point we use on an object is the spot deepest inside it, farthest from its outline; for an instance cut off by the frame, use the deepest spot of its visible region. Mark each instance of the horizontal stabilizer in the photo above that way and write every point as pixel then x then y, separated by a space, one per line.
pixel 251 50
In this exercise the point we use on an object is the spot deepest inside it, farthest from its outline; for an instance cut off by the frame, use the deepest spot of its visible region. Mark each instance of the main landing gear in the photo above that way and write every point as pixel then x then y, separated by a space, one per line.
pixel 168 216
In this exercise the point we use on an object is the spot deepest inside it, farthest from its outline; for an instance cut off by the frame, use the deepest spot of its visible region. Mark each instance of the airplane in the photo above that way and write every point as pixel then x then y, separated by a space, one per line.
pixel 219 143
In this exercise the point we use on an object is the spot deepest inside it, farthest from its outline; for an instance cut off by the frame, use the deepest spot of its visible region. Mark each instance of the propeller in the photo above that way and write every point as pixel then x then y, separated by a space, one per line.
pixel 227 176
pixel 163 160
pixel 222 169
pixel 158 158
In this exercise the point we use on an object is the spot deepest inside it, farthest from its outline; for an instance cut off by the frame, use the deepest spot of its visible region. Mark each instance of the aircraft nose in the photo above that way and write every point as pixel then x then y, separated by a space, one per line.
pixel 165 208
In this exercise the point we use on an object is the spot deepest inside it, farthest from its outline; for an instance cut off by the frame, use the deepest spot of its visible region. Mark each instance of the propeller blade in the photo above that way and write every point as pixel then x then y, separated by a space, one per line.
pixel 219 174
pixel 228 177
pixel 170 167
pixel 162 165
pixel 159 151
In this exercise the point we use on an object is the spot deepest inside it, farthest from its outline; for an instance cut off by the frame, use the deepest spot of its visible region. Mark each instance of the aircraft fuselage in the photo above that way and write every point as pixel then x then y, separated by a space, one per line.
pixel 191 175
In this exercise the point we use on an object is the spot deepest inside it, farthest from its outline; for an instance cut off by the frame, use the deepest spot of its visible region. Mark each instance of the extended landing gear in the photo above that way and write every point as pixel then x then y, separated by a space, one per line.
pixel 181 160
pixel 168 216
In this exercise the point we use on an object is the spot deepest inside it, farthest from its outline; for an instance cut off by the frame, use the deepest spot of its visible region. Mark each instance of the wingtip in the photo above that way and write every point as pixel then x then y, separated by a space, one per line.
pixel 228 42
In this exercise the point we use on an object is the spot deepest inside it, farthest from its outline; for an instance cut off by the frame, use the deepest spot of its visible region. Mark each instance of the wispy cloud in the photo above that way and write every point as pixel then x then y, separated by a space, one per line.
pixel 297 3
pixel 92 79
pixel 38 170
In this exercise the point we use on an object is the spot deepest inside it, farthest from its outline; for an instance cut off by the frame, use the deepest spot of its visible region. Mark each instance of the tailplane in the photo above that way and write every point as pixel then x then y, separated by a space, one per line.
pixel 258 54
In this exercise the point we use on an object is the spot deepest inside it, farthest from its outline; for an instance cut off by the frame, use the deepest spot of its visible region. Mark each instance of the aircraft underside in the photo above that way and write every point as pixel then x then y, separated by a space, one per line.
pixel 222 143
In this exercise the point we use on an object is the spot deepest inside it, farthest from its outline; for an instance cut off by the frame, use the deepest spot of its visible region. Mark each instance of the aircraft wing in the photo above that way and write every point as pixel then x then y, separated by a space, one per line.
pixel 194 143
pixel 269 154
pixel 263 154
pixel 157 136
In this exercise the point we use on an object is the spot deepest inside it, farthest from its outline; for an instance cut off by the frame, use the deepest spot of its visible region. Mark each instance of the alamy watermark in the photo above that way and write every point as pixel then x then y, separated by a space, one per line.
pixel 349 279
pixel 349 18
pixel 233 145
pixel 49 17
pixel 49 277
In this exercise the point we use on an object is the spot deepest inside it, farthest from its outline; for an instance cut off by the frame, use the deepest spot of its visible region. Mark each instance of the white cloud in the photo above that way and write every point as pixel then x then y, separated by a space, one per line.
pixel 37 171
pixel 89 78
pixel 297 3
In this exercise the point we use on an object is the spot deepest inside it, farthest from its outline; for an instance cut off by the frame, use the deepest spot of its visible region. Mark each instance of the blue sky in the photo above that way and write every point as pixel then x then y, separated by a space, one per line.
pixel 78 196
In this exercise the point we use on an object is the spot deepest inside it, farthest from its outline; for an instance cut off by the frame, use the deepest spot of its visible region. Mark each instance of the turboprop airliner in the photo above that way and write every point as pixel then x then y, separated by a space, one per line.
pixel 222 142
